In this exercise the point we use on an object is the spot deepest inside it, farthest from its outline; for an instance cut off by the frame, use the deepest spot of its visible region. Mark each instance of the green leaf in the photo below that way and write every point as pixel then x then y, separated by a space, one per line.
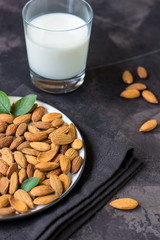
pixel 4 103
pixel 23 105
pixel 29 183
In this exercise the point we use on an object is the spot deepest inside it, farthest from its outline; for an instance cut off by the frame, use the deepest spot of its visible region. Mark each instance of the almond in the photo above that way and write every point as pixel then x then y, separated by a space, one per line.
pixel 71 153
pixel 42 125
pixel 25 144
pixel 46 182
pixel 45 199
pixel 35 137
pixel 40 146
pixel 66 181
pixel 38 114
pixel 61 138
pixel 149 96
pixel 30 170
pixel 4 200
pixel 76 164
pixel 57 122
pixel 138 86
pixel 77 144
pixel 20 159
pixel 56 171
pixel 6 141
pixel 19 205
pixel 2 135
pixel 4 184
pixel 63 148
pixel 25 197
pixel 41 190
pixel 32 159
pixel 3 126
pixel 30 151
pixel 5 212
pixel 22 175
pixel 56 184
pixel 49 117
pixel 13 168
pixel 7 156
pixel 6 118
pixel 13 183
pixel 3 167
pixel 57 158
pixel 11 129
pixel 124 203
pixel 22 119
pixel 47 166
pixel 21 129
pixel 142 72
pixel 127 77
pixel 33 108
pixel 148 126
pixel 72 131
pixel 130 93
pixel 48 155
pixel 16 142
pixel 65 164
pixel 50 130
pixel 33 129
pixel 40 175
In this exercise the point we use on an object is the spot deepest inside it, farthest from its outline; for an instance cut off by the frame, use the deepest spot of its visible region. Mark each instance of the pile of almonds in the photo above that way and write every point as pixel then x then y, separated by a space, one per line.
pixel 135 90
pixel 36 144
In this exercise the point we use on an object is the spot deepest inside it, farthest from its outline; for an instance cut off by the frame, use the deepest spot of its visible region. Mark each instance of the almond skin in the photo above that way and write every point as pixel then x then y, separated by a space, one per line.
pixel 48 155
pixel 66 181
pixel 30 170
pixel 40 146
pixel 49 117
pixel 149 96
pixel 142 72
pixel 148 126
pixel 6 118
pixel 3 126
pixel 46 166
pixel 22 175
pixel 127 77
pixel 22 119
pixel 32 159
pixel 4 200
pixel 65 164
pixel 13 183
pixel 7 156
pixel 33 129
pixel 42 125
pixel 13 168
pixel 6 141
pixel 56 171
pixel 25 144
pixel 45 199
pixel 30 151
pixel 71 153
pixel 38 114
pixel 57 122
pixel 77 144
pixel 56 184
pixel 138 86
pixel 16 142
pixel 130 93
pixel 76 164
pixel 41 190
pixel 18 205
pixel 21 129
pixel 4 184
pixel 3 167
pixel 11 129
pixel 124 203
pixel 40 175
pixel 35 137
pixel 20 159
pixel 25 197
pixel 5 212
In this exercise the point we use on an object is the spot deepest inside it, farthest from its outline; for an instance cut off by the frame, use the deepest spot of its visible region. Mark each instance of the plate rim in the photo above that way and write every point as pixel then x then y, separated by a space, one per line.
pixel 39 211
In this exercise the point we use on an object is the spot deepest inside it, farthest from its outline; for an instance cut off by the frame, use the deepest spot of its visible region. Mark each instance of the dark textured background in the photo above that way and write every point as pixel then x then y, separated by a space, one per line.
pixel 125 35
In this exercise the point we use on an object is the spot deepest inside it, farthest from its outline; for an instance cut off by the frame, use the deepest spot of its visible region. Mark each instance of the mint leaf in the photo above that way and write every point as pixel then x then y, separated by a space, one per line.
pixel 4 103
pixel 23 105
pixel 29 183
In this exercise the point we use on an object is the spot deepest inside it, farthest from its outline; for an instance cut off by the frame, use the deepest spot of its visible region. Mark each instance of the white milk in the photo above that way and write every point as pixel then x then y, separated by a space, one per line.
pixel 54 53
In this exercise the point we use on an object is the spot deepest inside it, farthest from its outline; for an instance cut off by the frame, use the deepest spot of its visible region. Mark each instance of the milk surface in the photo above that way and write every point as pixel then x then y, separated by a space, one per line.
pixel 55 51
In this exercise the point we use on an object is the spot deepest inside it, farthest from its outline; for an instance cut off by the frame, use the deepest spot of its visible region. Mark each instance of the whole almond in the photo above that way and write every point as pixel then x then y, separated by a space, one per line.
pixel 65 164
pixel 6 141
pixel 61 138
pixel 63 148
pixel 149 96
pixel 4 200
pixel 41 190
pixel 40 146
pixel 138 86
pixel 57 122
pixel 19 205
pixel 21 129
pixel 7 156
pixel 56 171
pixel 16 142
pixel 30 170
pixel 49 117
pixel 46 166
pixel 25 144
pixel 3 167
pixel 22 175
pixel 72 131
pixel 25 197
pixel 3 126
pixel 6 118
pixel 35 137
pixel 124 203
pixel 77 144
pixel 127 77
pixel 62 129
pixel 148 126
pixel 46 182
pixel 48 155
pixel 32 159
pixel 50 130
pixel 30 151
pixel 66 181
pixel 45 199
pixel 71 153
pixel 33 129
pixel 38 114
pixel 20 159
pixel 13 168
pixel 40 175
pixel 142 72
pixel 22 119
pixel 56 184
pixel 11 129
pixel 130 93
pixel 42 125
pixel 13 183
pixel 4 184
pixel 76 164
pixel 5 212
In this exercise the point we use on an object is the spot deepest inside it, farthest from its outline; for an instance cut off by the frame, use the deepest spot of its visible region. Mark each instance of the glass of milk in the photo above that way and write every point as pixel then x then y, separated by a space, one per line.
pixel 57 34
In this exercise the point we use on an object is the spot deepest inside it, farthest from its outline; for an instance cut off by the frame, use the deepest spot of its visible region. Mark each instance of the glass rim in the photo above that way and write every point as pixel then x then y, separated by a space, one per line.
pixel 51 30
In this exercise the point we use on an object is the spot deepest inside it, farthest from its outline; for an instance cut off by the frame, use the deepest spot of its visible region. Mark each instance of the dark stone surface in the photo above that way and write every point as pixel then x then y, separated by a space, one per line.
pixel 125 35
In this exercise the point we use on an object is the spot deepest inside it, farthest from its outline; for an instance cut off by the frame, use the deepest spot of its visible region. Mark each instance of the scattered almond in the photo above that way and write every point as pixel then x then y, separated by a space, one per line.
pixel 124 203
pixel 149 96
pixel 127 77
pixel 138 86
pixel 142 72
pixel 148 126
pixel 130 93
